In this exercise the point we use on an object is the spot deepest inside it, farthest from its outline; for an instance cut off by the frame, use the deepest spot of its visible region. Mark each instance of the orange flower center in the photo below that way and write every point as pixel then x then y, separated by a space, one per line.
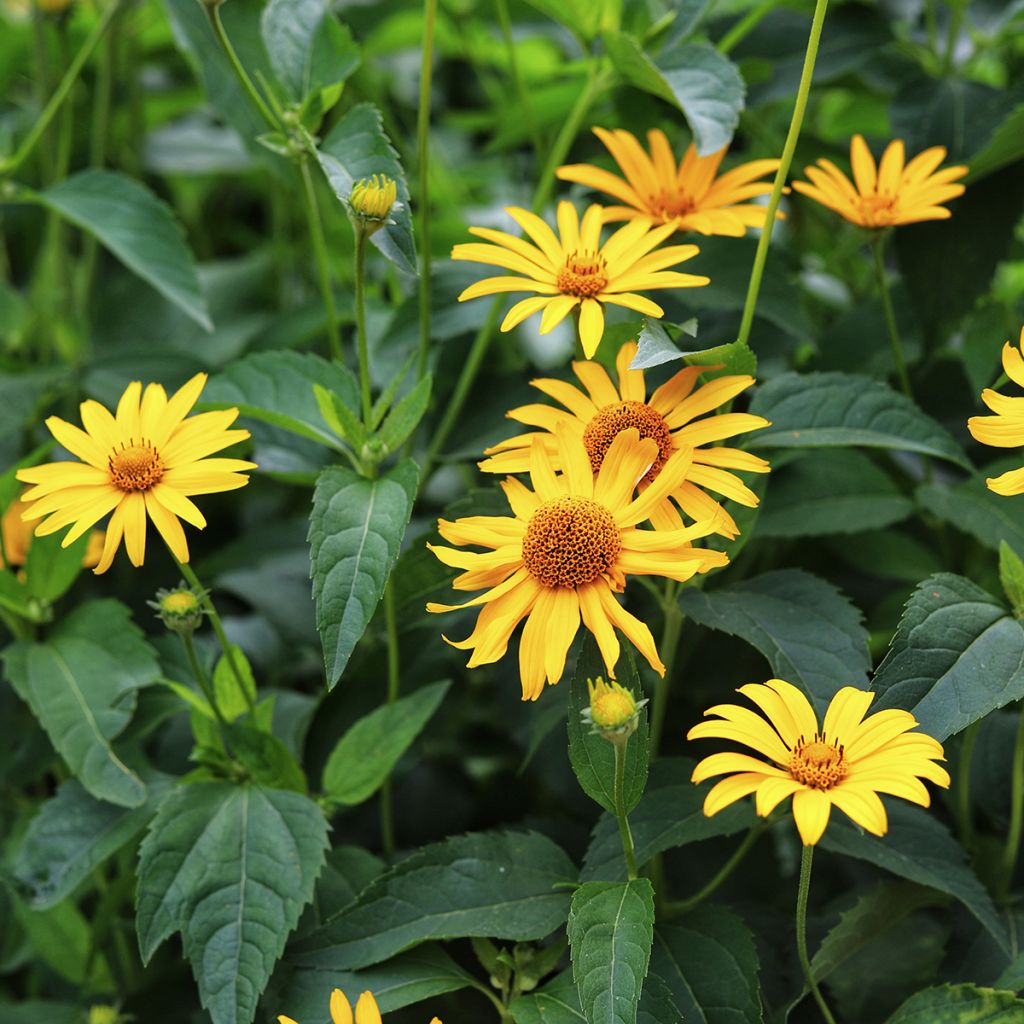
pixel 877 210
pixel 585 274
pixel 606 425
pixel 669 205
pixel 818 764
pixel 135 467
pixel 570 541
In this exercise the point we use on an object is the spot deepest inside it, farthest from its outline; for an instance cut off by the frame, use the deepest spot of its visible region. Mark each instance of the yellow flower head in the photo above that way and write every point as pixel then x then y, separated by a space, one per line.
pixel 565 550
pixel 847 762
pixel 889 194
pixel 17 539
pixel 687 195
pixel 1006 428
pixel 144 461
pixel 373 198
pixel 670 416
pixel 573 268
pixel 367 1011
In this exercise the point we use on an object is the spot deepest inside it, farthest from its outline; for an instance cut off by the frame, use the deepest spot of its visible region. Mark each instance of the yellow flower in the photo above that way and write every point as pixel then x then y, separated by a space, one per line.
pixel 574 269
pixel 687 196
pixel 373 198
pixel 889 194
pixel 1006 428
pixel 568 545
pixel 17 536
pixel 847 763
pixel 146 460
pixel 669 417
pixel 367 1011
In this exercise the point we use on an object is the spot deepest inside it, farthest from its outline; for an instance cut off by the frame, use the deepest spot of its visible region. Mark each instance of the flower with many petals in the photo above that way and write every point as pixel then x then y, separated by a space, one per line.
pixel 846 762
pixel 893 192
pixel 367 1011
pixel 674 416
pixel 690 195
pixel 1005 429
pixel 144 461
pixel 573 268
pixel 564 552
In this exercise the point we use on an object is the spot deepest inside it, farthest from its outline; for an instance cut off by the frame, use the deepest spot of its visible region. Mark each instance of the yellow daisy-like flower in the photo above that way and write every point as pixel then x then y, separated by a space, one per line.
pixel 146 460
pixel 889 194
pixel 846 763
pixel 569 544
pixel 1006 428
pixel 670 417
pixel 17 537
pixel 367 1011
pixel 687 195
pixel 573 268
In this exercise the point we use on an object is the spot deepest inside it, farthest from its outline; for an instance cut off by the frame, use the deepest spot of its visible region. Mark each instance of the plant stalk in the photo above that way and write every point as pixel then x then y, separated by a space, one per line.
pixel 801 932
pixel 741 851
pixel 323 264
pixel 423 156
pixel 878 248
pixel 213 13
pixel 620 808
pixel 1012 849
pixel 360 311
pixel 963 785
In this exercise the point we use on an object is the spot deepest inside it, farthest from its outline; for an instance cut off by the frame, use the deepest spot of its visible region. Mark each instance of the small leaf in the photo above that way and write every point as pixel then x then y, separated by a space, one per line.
pixel 960 1004
pixel 557 1002
pixel 387 396
pixel 339 417
pixel 229 694
pixel 1011 576
pixel 654 346
pixel 268 761
pixel 611 927
pixel 403 418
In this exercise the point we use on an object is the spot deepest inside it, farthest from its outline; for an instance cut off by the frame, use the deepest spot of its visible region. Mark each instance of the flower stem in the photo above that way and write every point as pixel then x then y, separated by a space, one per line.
pixel 878 246
pixel 204 682
pixel 669 646
pixel 1012 850
pixel 360 310
pixel 803 90
pixel 745 25
pixel 963 785
pixel 801 932
pixel 620 808
pixel 323 266
pixel 213 13
pixel 682 906
pixel 423 156
pixel 387 828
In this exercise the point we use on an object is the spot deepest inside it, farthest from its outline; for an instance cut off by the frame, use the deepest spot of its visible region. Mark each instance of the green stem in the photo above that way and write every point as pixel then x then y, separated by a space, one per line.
pixel 387 827
pixel 423 156
pixel 803 91
pixel 517 79
pixel 745 25
pixel 213 13
pixel 13 162
pixel 682 906
pixel 620 808
pixel 204 682
pixel 668 647
pixel 878 247
pixel 963 784
pixel 1012 850
pixel 360 311
pixel 801 932
pixel 323 265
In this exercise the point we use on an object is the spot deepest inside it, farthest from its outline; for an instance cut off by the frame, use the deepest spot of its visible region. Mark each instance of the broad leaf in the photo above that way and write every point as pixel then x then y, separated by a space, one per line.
pixel 50 569
pixel 809 631
pixel 62 938
pixel 231 868
pixel 503 885
pixel 960 1004
pixel 139 229
pixel 557 1002
pixel 80 685
pixel 827 410
pixel 972 508
pixel 957 655
pixel 611 927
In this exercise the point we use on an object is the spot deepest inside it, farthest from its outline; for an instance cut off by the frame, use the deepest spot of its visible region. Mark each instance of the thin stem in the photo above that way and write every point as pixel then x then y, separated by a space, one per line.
pixel 801 932
pixel 360 310
pixel 669 646
pixel 387 827
pixel 745 26
pixel 213 12
pixel 878 247
pixel 803 91
pixel 517 79
pixel 423 156
pixel 203 680
pixel 681 906
pixel 1012 850
pixel 323 264
pixel 963 784
pixel 620 808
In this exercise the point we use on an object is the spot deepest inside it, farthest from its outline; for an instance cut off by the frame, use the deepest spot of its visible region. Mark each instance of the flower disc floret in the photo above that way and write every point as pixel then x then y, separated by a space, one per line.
pixel 584 275
pixel 135 467
pixel 609 421
pixel 570 542
pixel 818 764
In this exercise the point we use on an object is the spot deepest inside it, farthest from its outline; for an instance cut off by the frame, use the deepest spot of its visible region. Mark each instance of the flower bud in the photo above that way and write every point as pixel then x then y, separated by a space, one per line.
pixel 102 1014
pixel 372 200
pixel 613 711
pixel 180 609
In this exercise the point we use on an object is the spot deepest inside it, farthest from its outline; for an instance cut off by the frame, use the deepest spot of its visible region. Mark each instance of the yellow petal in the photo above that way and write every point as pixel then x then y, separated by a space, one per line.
pixel 811 810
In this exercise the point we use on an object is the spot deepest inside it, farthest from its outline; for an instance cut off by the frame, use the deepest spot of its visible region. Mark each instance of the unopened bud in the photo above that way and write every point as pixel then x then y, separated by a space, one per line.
pixel 613 711
pixel 372 200
pixel 180 609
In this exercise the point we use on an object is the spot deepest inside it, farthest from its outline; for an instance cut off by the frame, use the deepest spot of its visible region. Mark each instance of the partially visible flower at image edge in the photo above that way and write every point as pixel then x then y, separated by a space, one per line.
pixel 17 539
pixel 565 551
pixel 144 461
pixel 1006 428
pixel 846 762
pixel 573 268
pixel 891 193
pixel 367 1011
pixel 688 196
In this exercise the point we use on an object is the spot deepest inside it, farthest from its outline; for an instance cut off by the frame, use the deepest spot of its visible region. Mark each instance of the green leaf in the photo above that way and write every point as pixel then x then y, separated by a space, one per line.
pixel 733 357
pixel 230 696
pixel 268 761
pixel 32 1011
pixel 957 655
pixel 972 508
pixel 502 885
pixel 138 228
pixel 50 569
pixel 960 1004
pixel 403 418
pixel 277 388
pixel 826 410
pixel 1011 576
pixel 80 685
pixel 357 147
pixel 593 758
pixel 830 492
pixel 61 937
pixel 611 927
pixel 1005 146
pixel 339 417
pixel 808 630
pixel 919 847
pixel 231 868
pixel 578 16
pixel 1012 978
pixel 557 1002
pixel 355 531
pixel 364 756
pixel 670 814
pixel 654 346
pixel 14 595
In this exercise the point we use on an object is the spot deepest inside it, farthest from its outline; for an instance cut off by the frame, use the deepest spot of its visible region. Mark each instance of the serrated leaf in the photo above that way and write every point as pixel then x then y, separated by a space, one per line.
pixel 80 685
pixel 808 630
pixel 502 885
pixel 973 509
pixel 957 655
pixel 403 418
pixel 355 531
pixel 593 758
pixel 826 410
pixel 358 147
pixel 231 868
pixel 960 1004
pixel 654 346
pixel 611 927
pixel 138 228
pixel 364 756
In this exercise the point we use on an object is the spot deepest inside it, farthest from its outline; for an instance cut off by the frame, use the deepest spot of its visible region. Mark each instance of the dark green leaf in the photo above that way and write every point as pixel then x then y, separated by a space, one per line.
pixel 1005 146
pixel 61 937
pixel 268 761
pixel 960 1004
pixel 32 1012
pixel 50 569
pixel 401 421
pixel 557 1002
pixel 972 508
pixel 1011 576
